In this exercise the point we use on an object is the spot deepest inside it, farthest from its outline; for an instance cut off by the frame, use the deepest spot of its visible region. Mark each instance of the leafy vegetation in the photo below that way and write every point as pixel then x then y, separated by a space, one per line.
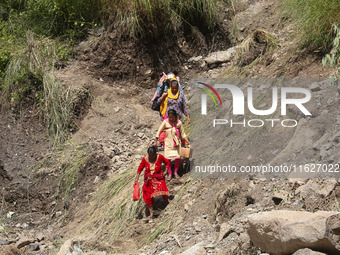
pixel 52 17
pixel 30 72
pixel 35 35
pixel 315 19
pixel 333 59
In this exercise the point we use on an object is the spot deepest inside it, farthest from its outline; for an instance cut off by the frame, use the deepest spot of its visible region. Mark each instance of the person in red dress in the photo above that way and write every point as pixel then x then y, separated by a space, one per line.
pixel 154 183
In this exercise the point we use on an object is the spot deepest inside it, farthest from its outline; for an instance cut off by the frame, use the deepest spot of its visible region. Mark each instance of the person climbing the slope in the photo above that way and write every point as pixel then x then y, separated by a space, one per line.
pixel 154 183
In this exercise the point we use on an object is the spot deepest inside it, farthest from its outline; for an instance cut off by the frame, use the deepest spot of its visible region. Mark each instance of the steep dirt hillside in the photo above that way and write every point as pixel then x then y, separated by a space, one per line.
pixel 78 199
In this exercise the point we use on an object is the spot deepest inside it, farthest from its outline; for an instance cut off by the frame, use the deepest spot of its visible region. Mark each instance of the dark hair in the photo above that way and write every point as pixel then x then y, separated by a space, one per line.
pixel 174 82
pixel 152 150
pixel 173 112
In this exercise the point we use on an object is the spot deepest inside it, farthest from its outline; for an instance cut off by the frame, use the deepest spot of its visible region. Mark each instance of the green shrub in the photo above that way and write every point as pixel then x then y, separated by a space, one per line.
pixel 314 19
pixel 31 72
pixel 57 17
pixel 52 17
pixel 9 6
pixel 5 57
pixel 333 59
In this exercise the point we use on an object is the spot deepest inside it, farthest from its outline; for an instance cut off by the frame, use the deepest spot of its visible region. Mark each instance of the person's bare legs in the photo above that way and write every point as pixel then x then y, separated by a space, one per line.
pixel 151 211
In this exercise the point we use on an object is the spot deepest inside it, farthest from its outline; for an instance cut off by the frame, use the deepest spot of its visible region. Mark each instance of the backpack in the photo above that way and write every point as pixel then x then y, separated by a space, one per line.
pixel 161 83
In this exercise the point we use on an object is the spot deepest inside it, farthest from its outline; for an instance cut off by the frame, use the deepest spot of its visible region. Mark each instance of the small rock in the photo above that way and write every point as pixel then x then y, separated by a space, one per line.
pixel 245 241
pixel 315 87
pixel 307 251
pixel 165 253
pixel 77 249
pixel 34 247
pixel 195 59
pixel 3 242
pixel 66 248
pixel 58 213
pixel 96 179
pixel 296 202
pixel 225 230
pixel 197 249
pixel 198 228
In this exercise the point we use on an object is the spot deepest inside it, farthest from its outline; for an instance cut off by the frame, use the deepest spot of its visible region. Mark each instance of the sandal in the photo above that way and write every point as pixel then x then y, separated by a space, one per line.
pixel 148 219
pixel 177 176
pixel 168 178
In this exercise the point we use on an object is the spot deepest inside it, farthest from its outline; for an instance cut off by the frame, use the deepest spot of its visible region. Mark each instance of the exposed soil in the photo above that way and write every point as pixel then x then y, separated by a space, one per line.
pixel 115 125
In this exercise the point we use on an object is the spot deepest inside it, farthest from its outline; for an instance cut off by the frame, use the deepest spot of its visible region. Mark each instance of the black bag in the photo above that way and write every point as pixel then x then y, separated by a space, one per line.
pixel 155 106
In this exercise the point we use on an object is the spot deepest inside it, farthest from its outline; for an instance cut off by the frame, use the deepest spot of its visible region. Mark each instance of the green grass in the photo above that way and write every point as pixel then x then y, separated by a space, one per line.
pixel 70 167
pixel 333 59
pixel 67 162
pixel 53 17
pixel 168 221
pixel 315 19
pixel 112 206
pixel 30 75
pixel 157 18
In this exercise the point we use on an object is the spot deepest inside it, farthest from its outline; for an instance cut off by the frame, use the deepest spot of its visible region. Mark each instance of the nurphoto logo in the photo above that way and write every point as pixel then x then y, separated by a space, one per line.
pixel 238 104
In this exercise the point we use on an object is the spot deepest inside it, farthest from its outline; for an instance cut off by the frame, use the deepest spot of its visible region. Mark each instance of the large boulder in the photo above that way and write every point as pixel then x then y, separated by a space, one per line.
pixel 333 230
pixel 219 57
pixel 320 187
pixel 284 232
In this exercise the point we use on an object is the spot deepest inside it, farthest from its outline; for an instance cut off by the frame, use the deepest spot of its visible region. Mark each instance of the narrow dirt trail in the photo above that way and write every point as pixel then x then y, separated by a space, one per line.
pixel 116 118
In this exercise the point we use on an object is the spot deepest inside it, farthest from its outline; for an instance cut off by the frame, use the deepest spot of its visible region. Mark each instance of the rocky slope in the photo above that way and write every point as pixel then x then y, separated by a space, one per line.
pixel 205 216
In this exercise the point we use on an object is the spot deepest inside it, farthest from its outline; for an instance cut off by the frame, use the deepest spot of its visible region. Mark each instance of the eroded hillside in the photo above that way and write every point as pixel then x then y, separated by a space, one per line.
pixel 59 210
